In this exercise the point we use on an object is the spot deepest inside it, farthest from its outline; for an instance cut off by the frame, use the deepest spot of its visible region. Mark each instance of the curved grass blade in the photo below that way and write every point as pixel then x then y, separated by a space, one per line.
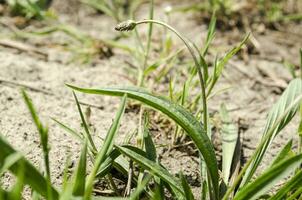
pixel 291 185
pixel 36 181
pixel 176 112
pixel 154 168
pixel 268 179
pixel 277 113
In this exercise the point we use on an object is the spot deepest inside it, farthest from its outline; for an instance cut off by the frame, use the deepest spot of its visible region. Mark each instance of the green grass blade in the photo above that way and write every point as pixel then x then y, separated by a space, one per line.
pixel 268 179
pixel 278 118
pixel 285 153
pixel 176 112
pixel 69 130
pixel 16 191
pixel 9 161
pixel 210 35
pixel 149 144
pixel 229 135
pixel 138 156
pixel 229 55
pixel 187 189
pixel 113 159
pixel 140 188
pixel 107 145
pixel 36 181
pixel 88 135
pixel 80 175
pixel 289 187
pixel 220 64
pixel 295 195
pixel 43 132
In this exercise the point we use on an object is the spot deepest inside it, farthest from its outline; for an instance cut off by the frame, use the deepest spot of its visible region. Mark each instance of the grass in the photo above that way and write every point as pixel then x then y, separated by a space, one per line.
pixel 147 177
pixel 29 8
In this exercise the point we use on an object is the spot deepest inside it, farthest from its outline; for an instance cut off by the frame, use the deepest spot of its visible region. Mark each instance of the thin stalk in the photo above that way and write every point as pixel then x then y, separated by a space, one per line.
pixel 301 63
pixel 112 184
pixel 197 65
pixel 46 161
pixel 146 55
pixel 258 149
pixel 130 176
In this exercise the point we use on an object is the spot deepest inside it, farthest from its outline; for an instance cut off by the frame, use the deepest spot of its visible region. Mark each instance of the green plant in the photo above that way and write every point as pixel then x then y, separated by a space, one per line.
pixel 29 8
pixel 153 180
pixel 237 186
pixel 117 9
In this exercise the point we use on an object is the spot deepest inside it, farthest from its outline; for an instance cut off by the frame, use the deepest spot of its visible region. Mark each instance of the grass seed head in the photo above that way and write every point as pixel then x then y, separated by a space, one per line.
pixel 128 25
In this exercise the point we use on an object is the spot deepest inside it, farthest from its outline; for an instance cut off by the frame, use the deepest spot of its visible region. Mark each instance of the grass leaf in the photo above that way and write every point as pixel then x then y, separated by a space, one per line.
pixel 229 134
pixel 268 179
pixel 9 161
pixel 80 175
pixel 86 128
pixel 280 115
pixel 138 156
pixel 107 146
pixel 186 187
pixel 288 187
pixel 37 182
pixel 286 152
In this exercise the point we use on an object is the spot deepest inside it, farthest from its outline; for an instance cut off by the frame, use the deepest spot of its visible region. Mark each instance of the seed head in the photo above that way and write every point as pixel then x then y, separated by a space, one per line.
pixel 128 25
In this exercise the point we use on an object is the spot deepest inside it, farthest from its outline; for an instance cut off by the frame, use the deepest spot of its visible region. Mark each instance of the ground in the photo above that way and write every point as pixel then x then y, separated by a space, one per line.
pixel 256 77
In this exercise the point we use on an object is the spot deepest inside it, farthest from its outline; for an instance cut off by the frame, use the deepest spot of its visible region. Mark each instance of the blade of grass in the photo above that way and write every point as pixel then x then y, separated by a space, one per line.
pixel 16 191
pixel 268 179
pixel 187 189
pixel 80 174
pixel 221 63
pixel 285 153
pixel 107 145
pixel 154 168
pixel 69 130
pixel 289 187
pixel 43 132
pixel 210 34
pixel 229 134
pixel 88 135
pixel 37 181
pixel 140 188
pixel 9 161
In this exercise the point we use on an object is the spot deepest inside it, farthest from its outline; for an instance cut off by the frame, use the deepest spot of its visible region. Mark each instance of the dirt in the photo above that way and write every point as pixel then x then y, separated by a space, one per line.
pixel 256 78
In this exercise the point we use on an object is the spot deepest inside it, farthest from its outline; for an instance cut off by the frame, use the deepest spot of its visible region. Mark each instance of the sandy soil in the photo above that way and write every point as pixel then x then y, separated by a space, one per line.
pixel 256 80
